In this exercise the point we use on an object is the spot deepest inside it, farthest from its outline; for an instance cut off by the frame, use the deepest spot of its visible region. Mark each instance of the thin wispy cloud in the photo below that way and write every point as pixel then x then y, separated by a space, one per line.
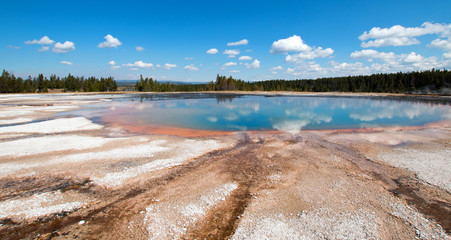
pixel 241 42
pixel 191 68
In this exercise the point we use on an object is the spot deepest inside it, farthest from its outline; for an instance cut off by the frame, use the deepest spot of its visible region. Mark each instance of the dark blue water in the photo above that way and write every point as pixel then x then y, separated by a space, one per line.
pixel 286 113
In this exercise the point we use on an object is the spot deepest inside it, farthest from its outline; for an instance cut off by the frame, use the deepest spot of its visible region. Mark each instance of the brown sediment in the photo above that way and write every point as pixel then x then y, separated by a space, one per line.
pixel 438 208
pixel 311 172
pixel 248 164
pixel 24 187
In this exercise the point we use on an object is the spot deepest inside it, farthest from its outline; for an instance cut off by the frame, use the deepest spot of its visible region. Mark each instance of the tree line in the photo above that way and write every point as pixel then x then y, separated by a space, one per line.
pixel 434 80
pixel 410 82
pixel 151 85
pixel 11 84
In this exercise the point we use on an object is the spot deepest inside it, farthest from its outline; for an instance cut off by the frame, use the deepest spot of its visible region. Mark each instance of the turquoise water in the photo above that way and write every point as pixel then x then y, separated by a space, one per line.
pixel 287 113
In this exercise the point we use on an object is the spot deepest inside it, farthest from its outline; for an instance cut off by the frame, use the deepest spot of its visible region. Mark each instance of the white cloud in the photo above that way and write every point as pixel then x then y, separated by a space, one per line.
pixel 241 42
pixel 296 44
pixel 245 58
pixel 43 49
pixel 441 43
pixel 110 42
pixel 43 41
pixel 229 64
pixel 63 47
pixel 212 51
pixel 291 44
pixel 398 62
pixel 345 68
pixel 231 53
pixel 66 62
pixel 383 42
pixel 189 58
pixel 139 48
pixel 400 31
pixel 234 71
pixel 191 68
pixel 366 53
pixel 445 44
pixel 254 65
pixel 413 58
pixel 318 52
pixel 401 36
pixel 168 66
pixel 275 69
pixel 134 69
pixel 112 63
pixel 138 64
pixel 290 70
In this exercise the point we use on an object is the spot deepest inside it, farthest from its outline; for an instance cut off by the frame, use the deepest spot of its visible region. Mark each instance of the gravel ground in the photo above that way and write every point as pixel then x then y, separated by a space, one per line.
pixel 68 178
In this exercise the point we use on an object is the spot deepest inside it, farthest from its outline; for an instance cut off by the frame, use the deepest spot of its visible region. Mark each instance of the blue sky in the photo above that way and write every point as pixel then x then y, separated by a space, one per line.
pixel 268 39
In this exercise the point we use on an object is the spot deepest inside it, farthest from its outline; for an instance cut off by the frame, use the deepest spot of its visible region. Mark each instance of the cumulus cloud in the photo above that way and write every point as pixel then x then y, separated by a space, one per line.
pixel 245 58
pixel 191 68
pixel 296 44
pixel 110 42
pixel 231 53
pixel 228 64
pixel 400 41
pixel 444 44
pixel 112 63
pixel 65 47
pixel 139 48
pixel 441 43
pixel 275 69
pixel 212 51
pixel 254 65
pixel 66 62
pixel 43 41
pixel 291 44
pixel 398 62
pixel 401 36
pixel 318 52
pixel 168 66
pixel 241 42
pixel 138 64
pixel 43 49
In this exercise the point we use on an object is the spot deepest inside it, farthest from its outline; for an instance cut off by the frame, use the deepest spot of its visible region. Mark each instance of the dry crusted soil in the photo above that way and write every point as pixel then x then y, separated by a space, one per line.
pixel 310 185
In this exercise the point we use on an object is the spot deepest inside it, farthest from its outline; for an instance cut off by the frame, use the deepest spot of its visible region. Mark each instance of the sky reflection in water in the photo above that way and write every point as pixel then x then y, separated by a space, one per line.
pixel 285 113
